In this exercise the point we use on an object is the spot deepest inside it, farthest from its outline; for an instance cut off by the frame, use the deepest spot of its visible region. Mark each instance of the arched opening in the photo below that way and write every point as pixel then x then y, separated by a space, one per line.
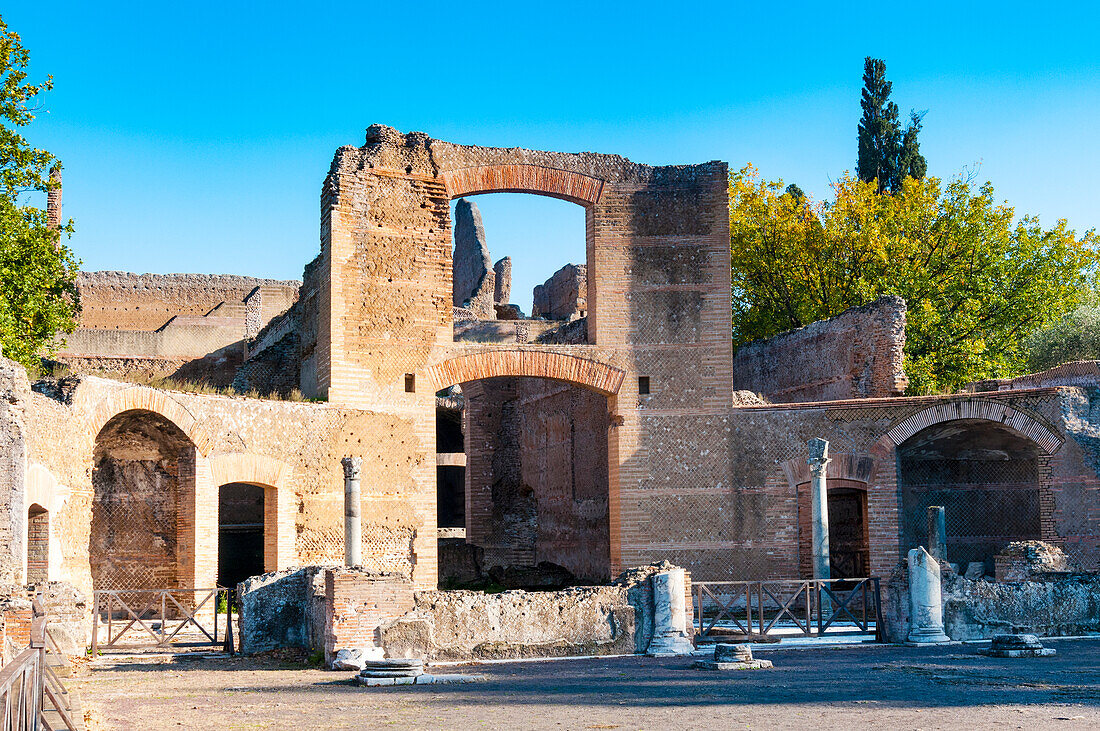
pixel 985 475
pixel 849 542
pixel 38 544
pixel 849 536
pixel 240 532
pixel 519 269
pixel 537 485
pixel 143 481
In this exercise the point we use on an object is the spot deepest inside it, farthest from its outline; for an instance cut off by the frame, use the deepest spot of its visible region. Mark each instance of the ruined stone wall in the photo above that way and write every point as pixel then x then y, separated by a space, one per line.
pixel 125 301
pixel 1078 373
pixel 658 294
pixel 857 354
pixel 564 296
pixel 292 449
pixel 536 475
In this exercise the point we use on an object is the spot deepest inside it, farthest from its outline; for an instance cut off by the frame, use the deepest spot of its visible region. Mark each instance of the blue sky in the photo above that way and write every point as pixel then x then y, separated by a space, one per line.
pixel 196 135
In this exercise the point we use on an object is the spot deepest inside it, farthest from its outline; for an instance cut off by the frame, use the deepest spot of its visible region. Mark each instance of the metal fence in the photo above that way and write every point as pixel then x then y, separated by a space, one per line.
pixel 810 608
pixel 987 505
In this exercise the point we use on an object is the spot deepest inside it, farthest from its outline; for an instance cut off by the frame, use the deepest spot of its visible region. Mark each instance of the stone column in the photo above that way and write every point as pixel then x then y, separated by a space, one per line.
pixel 925 599
pixel 53 198
pixel 937 533
pixel 819 507
pixel 353 540
pixel 670 636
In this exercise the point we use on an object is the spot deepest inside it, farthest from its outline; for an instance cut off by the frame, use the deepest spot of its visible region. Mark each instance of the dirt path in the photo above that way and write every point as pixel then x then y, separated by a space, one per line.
pixel 875 687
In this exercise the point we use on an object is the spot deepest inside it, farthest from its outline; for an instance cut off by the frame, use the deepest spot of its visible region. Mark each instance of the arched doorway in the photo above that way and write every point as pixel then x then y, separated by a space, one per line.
pixel 143 480
pixel 849 534
pixel 240 532
pixel 984 474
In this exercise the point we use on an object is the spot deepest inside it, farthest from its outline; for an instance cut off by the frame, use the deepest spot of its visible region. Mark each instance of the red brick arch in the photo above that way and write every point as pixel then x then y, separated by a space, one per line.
pixel 574 187
pixel 1049 441
pixel 599 377
pixel 141 398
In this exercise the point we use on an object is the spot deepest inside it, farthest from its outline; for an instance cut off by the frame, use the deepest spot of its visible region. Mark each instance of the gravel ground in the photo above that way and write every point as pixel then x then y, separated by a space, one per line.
pixel 868 687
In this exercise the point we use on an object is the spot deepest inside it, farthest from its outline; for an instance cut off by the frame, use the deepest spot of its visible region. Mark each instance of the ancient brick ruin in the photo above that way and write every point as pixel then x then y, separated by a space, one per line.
pixel 609 428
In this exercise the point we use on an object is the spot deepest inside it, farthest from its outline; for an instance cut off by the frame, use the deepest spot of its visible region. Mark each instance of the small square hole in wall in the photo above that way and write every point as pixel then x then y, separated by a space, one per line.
pixel 643 385
pixel 410 383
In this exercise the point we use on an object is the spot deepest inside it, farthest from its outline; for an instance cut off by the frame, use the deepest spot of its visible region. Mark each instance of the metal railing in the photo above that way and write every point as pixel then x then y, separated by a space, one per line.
pixel 806 606
pixel 159 615
pixel 31 694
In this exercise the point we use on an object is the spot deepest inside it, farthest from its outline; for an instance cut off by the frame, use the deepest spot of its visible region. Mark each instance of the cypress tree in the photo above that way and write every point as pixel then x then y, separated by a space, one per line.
pixel 886 152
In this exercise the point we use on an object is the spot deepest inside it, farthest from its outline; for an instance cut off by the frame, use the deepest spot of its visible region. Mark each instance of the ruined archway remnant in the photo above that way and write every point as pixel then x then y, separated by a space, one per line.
pixel 38 544
pixel 564 184
pixel 983 409
pixel 143 525
pixel 600 377
pixel 657 279
pixel 275 477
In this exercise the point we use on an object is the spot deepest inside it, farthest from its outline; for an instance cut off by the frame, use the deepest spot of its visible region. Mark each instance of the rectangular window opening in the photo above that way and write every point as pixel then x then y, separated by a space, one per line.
pixel 410 383
pixel 643 385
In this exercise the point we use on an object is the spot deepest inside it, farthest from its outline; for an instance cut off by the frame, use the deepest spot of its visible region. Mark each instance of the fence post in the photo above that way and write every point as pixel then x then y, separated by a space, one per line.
pixel 95 623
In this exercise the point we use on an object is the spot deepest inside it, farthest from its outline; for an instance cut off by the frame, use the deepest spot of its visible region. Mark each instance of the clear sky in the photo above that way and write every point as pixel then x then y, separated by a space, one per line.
pixel 196 136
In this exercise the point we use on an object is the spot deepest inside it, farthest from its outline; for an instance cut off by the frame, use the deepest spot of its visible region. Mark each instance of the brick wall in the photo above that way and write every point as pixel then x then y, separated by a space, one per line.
pixel 536 475
pixel 857 354
pixel 357 603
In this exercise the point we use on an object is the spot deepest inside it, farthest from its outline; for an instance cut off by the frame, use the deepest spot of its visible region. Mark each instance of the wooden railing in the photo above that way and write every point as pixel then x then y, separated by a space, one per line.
pixel 810 606
pixel 31 694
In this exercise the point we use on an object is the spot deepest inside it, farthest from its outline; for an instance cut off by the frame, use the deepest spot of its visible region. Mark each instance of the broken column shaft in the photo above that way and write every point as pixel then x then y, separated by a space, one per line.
pixel 353 542
pixel 937 533
pixel 819 507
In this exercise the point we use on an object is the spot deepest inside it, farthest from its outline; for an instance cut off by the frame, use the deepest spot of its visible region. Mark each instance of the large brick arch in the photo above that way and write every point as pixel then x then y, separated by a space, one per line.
pixel 574 187
pixel 599 377
pixel 1048 440
pixel 140 398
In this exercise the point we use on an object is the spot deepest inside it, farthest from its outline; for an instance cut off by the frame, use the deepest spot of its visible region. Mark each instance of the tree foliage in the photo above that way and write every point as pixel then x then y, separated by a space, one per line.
pixel 887 153
pixel 38 296
pixel 977 283
pixel 1074 337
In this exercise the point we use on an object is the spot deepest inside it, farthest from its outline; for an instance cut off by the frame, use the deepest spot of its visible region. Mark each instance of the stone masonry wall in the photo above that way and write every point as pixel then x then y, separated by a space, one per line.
pixel 857 354
pixel 564 296
pixel 125 301
pixel 293 449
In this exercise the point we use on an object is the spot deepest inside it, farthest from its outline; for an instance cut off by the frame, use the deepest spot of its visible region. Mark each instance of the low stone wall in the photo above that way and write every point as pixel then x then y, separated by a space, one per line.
pixel 1059 606
pixel 468 625
pixel 282 609
pixel 1051 606
pixel 352 609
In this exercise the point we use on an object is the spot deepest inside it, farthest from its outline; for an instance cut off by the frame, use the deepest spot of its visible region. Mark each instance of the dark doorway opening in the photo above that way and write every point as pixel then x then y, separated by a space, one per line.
pixel 240 533
pixel 849 545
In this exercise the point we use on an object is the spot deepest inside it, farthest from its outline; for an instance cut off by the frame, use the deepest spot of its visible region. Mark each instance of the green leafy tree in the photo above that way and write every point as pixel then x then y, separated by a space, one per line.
pixel 887 153
pixel 1075 337
pixel 976 281
pixel 38 295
